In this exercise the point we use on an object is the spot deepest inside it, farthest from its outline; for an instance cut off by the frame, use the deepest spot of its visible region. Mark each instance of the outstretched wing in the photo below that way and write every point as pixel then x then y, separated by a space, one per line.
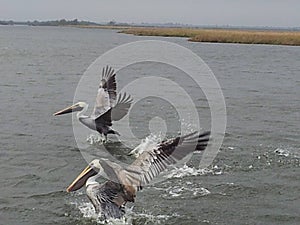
pixel 102 104
pixel 106 94
pixel 108 82
pixel 152 162
pixel 116 174
pixel 121 107
pixel 104 119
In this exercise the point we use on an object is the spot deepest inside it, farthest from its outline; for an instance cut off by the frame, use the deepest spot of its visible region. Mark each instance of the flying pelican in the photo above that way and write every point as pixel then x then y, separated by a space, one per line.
pixel 107 108
pixel 110 197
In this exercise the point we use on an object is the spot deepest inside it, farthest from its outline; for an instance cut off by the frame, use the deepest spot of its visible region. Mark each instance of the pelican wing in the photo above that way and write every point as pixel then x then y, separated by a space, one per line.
pixel 104 119
pixel 102 104
pixel 106 94
pixel 122 106
pixel 117 174
pixel 152 162
pixel 108 82
pixel 109 197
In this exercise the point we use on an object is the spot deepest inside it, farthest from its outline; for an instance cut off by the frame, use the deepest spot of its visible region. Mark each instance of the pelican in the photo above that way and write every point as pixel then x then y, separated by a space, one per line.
pixel 110 197
pixel 107 108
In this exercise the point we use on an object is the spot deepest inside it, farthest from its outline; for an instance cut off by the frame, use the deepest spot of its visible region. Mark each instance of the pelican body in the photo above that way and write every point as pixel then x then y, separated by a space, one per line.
pixel 110 197
pixel 107 107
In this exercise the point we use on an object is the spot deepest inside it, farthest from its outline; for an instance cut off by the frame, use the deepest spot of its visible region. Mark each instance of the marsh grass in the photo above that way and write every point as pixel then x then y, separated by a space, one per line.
pixel 111 27
pixel 222 35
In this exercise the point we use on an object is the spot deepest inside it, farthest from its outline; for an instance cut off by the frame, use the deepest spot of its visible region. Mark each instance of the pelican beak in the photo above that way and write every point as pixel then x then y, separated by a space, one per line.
pixel 80 181
pixel 70 109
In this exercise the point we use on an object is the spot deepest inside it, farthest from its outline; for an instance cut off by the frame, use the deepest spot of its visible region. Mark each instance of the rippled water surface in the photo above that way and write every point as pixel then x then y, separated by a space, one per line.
pixel 253 180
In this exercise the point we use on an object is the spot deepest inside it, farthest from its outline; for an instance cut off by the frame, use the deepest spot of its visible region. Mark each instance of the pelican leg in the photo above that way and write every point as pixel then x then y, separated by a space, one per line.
pixel 103 138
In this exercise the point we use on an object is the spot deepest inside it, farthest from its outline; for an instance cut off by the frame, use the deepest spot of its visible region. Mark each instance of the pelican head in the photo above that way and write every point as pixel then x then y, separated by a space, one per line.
pixel 91 170
pixel 74 108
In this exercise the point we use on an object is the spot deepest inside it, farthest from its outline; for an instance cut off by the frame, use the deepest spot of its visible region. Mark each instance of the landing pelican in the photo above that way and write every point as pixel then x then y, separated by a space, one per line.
pixel 110 197
pixel 107 108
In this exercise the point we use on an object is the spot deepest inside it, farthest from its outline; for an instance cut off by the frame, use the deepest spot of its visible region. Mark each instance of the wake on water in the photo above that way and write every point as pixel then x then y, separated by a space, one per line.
pixel 95 139
pixel 87 210
pixel 151 141
pixel 189 189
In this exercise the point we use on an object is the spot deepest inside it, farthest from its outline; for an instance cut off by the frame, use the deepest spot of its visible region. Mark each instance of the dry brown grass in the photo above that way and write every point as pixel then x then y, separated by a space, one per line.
pixel 221 35
pixel 100 27
pixel 165 32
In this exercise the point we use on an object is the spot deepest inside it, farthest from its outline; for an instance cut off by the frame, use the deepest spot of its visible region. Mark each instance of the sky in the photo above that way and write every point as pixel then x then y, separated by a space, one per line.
pixel 276 13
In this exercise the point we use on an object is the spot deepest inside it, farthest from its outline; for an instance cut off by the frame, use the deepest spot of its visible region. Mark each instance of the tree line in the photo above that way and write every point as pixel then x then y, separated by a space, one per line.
pixel 61 22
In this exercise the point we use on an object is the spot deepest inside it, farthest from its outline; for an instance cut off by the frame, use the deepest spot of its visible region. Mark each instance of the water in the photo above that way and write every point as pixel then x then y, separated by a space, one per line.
pixel 253 180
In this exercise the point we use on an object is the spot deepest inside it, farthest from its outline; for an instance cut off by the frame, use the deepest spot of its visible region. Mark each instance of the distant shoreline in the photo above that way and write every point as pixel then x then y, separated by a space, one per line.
pixel 291 38
pixel 240 35
pixel 222 35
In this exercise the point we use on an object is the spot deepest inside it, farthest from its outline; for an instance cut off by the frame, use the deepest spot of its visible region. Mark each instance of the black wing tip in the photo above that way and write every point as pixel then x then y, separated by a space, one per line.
pixel 196 135
pixel 108 72
pixel 124 97
pixel 203 140
pixel 200 139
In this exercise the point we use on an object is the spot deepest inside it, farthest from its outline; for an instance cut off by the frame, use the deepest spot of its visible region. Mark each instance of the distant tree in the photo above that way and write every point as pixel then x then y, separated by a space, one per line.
pixel 62 22
pixel 111 23
pixel 74 22
pixel 3 23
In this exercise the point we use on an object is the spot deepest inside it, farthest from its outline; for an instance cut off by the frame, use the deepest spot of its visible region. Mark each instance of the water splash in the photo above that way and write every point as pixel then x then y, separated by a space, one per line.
pixel 87 211
pixel 149 142
pixel 188 190
pixel 148 218
pixel 153 140
pixel 187 126
pixel 191 171
pixel 94 139
pixel 282 152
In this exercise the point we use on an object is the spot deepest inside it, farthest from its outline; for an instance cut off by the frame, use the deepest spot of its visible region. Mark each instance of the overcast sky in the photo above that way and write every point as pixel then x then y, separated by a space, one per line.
pixel 280 13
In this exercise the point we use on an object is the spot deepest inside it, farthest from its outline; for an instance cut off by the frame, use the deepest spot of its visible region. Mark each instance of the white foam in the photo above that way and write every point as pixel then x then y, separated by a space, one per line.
pixel 87 210
pixel 201 192
pixel 94 139
pixel 191 171
pixel 149 142
pixel 282 152
pixel 150 218
pixel 176 191
pixel 186 191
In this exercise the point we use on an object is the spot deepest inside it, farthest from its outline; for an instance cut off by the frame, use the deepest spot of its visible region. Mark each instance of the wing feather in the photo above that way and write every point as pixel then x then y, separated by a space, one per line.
pixel 109 83
pixel 107 92
pixel 102 103
pixel 104 119
pixel 152 162
pixel 107 199
pixel 122 106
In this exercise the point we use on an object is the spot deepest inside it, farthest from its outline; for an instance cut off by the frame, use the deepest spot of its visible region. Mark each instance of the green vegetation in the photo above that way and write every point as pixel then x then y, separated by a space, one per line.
pixel 222 35
pixel 112 24
pixel 7 22
pixel 61 22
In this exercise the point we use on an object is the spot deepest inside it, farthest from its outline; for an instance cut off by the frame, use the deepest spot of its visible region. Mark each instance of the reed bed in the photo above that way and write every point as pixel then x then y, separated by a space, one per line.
pixel 222 35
